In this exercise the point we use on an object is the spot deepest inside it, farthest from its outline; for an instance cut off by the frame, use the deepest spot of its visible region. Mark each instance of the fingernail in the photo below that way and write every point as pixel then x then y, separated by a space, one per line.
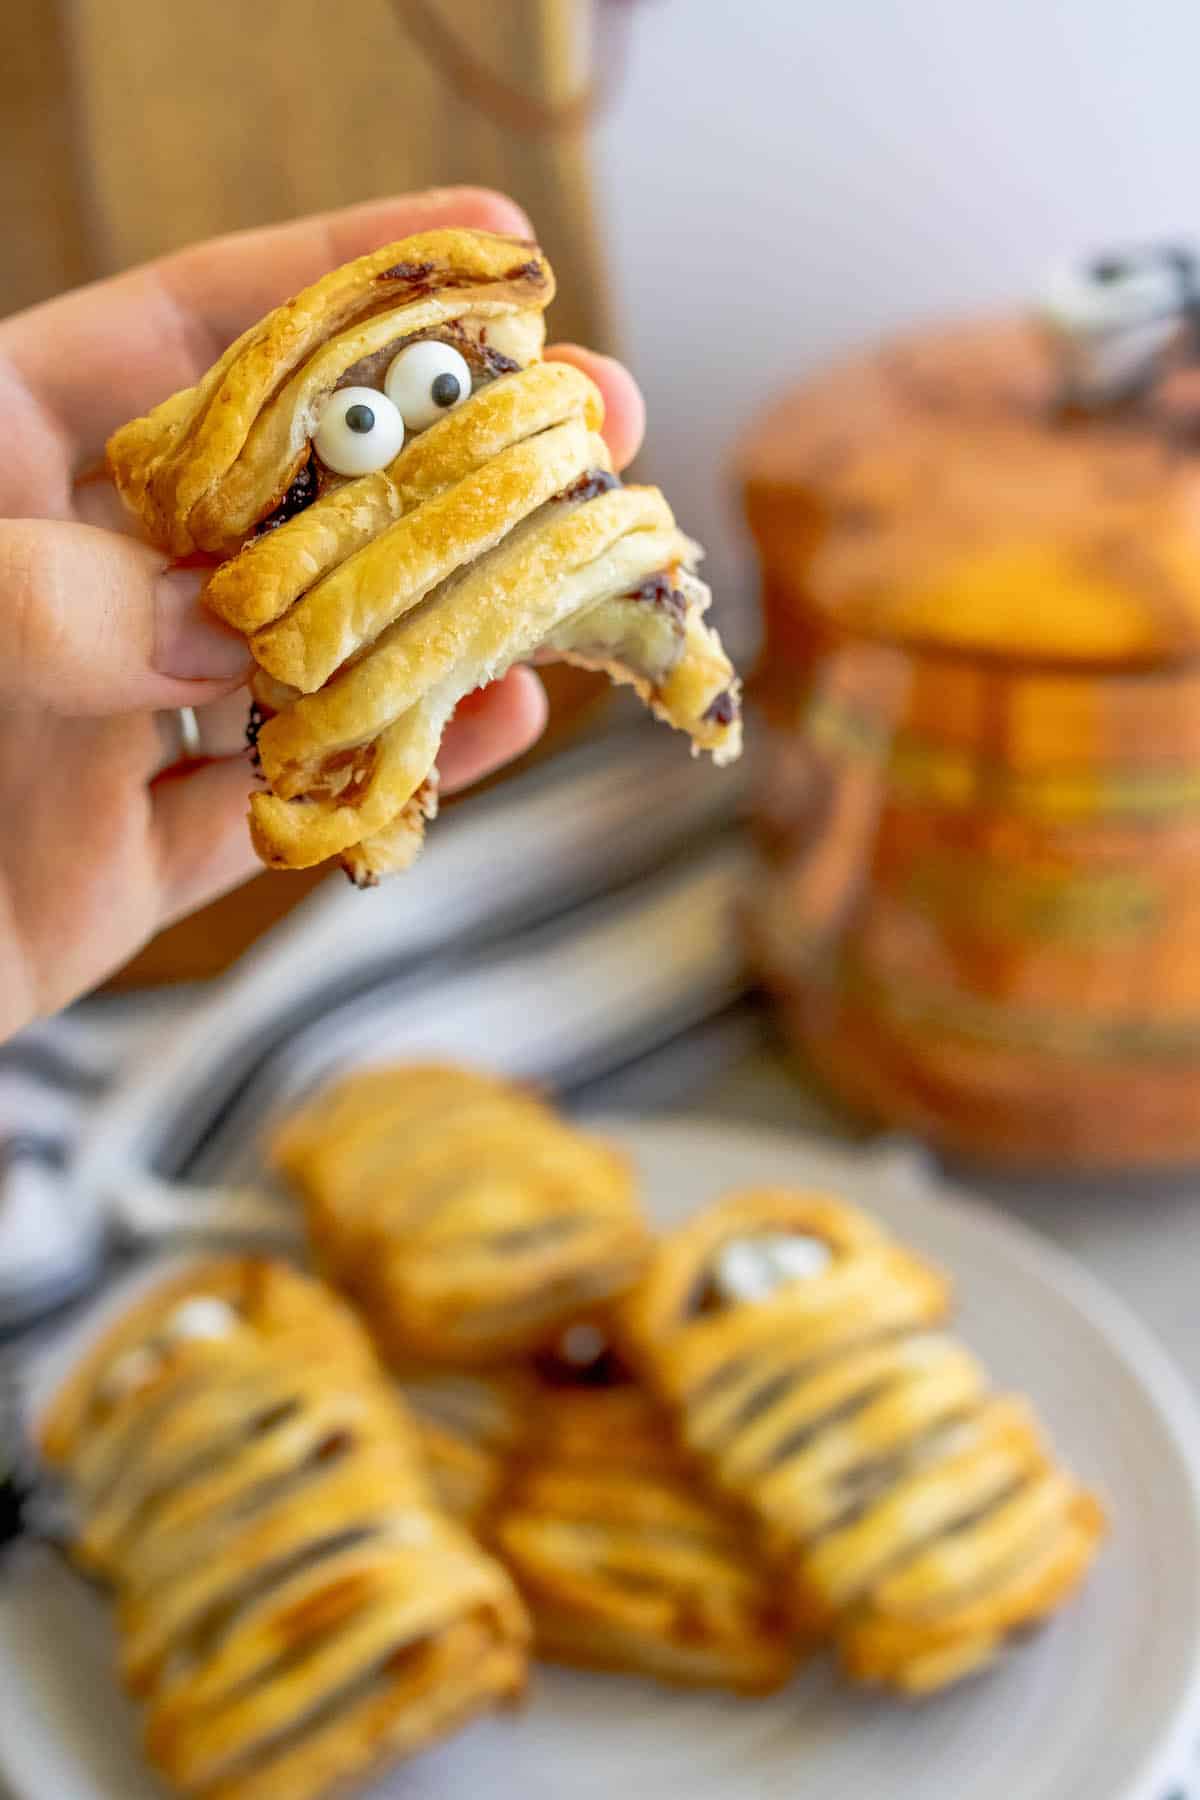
pixel 484 207
pixel 189 643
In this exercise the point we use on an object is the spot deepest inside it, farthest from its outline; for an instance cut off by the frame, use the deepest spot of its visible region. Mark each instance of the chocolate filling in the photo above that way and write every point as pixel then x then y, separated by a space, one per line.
pixel 526 271
pixel 606 1370
pixel 867 1482
pixel 660 591
pixel 495 362
pixel 722 710
pixel 421 278
pixel 760 1399
pixel 406 271
pixel 302 493
pixel 255 720
pixel 595 481
pixel 804 1435
pixel 206 1632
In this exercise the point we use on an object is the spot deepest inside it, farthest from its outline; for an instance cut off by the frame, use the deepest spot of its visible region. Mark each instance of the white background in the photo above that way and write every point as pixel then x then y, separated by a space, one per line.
pixel 781 179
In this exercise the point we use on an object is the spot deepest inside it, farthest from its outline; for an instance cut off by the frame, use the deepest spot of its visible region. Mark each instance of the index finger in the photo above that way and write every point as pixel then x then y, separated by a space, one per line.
pixel 105 353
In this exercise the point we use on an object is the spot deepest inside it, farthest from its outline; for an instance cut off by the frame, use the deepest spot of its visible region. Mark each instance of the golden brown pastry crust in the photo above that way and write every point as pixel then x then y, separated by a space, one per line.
pixel 497 535
pixel 294 1609
pixel 464 1218
pixel 207 465
pixel 625 1561
pixel 472 1428
pixel 923 1520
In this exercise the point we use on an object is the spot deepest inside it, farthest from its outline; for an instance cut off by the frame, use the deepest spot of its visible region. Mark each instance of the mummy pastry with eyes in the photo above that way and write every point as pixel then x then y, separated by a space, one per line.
pixel 465 1218
pixel 404 502
pixel 294 1609
pixel 922 1519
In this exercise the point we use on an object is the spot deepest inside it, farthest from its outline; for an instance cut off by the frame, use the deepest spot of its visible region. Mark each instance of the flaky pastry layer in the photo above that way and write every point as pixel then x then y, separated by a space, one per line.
pixel 626 1561
pixel 922 1519
pixel 374 604
pixel 294 1608
pixel 625 1558
pixel 460 1213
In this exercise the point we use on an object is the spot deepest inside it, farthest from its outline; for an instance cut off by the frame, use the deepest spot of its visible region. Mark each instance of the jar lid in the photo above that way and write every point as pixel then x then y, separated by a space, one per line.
pixel 938 491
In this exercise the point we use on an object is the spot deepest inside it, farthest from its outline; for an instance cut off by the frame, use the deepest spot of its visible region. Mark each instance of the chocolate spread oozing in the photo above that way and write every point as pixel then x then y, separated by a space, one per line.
pixel 722 710
pixel 606 1370
pixel 302 493
pixel 495 362
pixel 660 591
pixel 593 482
pixel 421 277
pixel 410 272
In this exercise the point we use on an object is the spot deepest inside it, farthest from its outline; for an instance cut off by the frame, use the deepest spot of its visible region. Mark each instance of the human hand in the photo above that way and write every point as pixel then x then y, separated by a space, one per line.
pixel 106 833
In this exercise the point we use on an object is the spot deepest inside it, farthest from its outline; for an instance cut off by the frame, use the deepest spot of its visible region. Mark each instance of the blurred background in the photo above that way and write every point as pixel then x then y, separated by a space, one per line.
pixel 950 899
pixel 755 191
pixel 732 200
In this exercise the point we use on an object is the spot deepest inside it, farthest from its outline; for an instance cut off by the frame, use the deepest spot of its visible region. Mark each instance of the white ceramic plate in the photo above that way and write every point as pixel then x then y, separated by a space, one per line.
pixel 1104 1705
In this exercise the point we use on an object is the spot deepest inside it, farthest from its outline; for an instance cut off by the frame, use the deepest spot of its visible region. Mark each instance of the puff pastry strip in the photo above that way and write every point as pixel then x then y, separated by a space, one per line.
pixel 924 1520
pixel 373 604
pixel 294 1609
pixel 472 1428
pixel 466 1220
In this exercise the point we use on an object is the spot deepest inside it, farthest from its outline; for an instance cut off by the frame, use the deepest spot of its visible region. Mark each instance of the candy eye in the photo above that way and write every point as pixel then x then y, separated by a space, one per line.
pixel 427 380
pixel 359 431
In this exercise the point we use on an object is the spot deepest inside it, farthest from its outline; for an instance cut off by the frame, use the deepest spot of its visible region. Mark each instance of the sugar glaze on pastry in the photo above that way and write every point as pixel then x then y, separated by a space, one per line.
pixel 403 502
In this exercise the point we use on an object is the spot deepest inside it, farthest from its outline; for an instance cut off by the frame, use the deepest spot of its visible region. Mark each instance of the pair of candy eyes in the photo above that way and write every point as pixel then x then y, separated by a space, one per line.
pixel 361 428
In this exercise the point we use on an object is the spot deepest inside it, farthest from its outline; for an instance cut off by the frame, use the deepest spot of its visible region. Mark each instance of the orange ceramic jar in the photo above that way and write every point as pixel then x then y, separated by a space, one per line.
pixel 981 822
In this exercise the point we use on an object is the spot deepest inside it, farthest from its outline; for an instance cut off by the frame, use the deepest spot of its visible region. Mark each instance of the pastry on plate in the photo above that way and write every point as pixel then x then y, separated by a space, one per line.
pixel 466 1220
pixel 403 501
pixel 625 1559
pixel 924 1522
pixel 472 1427
pixel 293 1607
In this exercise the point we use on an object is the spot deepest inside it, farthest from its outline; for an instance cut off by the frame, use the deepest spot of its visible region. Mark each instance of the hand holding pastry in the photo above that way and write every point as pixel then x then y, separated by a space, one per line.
pixel 108 832
pixel 403 501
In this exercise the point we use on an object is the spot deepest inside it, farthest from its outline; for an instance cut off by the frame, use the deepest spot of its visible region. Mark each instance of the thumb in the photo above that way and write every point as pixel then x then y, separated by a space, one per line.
pixel 96 623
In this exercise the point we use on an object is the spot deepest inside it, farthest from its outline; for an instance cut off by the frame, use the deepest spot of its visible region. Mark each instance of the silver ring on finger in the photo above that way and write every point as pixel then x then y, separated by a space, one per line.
pixel 189 732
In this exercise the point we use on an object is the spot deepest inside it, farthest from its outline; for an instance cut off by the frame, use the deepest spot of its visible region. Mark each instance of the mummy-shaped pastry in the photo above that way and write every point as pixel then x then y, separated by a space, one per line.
pixel 464 1218
pixel 624 1558
pixel 408 502
pixel 294 1609
pixel 923 1519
